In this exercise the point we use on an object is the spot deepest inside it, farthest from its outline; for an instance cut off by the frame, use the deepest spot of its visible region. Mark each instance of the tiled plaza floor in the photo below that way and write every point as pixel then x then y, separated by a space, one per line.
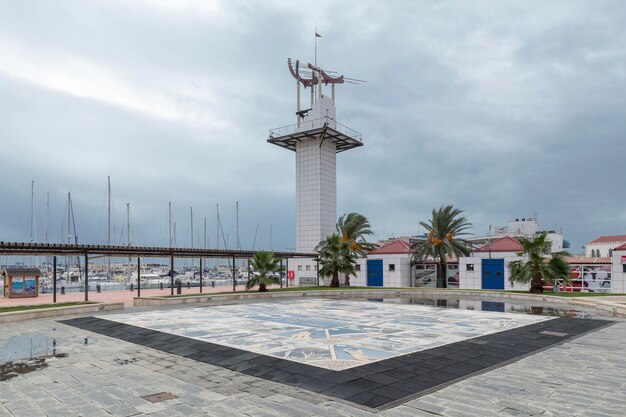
pixel 332 334
pixel 103 376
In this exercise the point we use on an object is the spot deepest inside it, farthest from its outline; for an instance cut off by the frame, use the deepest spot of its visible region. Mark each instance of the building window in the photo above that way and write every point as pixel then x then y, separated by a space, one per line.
pixel 392 267
pixel 469 267
pixel 610 252
pixel 624 267
pixel 299 267
pixel 308 267
pixel 357 267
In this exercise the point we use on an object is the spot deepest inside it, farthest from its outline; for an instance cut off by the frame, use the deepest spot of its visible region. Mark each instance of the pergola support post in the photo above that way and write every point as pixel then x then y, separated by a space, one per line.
pixel 86 277
pixel 54 279
pixel 138 277
pixel 234 275
pixel 172 275
pixel 317 269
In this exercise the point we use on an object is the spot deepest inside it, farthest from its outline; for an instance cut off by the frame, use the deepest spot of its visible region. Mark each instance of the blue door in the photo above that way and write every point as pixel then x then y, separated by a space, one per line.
pixel 492 306
pixel 493 274
pixel 374 272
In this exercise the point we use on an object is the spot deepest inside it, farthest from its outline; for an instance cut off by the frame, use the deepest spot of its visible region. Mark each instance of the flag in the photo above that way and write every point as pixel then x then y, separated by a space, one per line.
pixel 317 35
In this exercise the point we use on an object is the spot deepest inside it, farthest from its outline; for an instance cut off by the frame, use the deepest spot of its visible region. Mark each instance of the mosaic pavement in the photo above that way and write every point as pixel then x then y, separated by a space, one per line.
pixel 380 384
pixel 347 334
pixel 582 377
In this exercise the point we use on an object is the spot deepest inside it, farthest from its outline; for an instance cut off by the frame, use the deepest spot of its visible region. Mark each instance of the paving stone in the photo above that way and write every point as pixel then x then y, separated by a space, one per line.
pixel 4 412
pixel 349 410
pixel 581 377
pixel 28 412
pixel 425 405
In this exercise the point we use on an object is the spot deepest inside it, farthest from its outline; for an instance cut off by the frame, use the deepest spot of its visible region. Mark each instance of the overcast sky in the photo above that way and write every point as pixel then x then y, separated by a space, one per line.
pixel 501 108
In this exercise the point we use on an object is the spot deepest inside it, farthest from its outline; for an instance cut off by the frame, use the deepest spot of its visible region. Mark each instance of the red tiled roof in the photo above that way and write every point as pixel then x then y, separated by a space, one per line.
pixel 588 260
pixel 395 247
pixel 609 239
pixel 504 244
pixel 621 247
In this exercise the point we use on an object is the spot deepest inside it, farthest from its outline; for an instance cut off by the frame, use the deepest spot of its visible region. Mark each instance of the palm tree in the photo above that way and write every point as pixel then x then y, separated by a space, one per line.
pixel 541 265
pixel 444 230
pixel 264 268
pixel 352 228
pixel 335 257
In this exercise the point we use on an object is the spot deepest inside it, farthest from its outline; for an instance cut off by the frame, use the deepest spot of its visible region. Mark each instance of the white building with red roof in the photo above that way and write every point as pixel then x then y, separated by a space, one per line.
pixel 387 266
pixel 604 245
pixel 486 267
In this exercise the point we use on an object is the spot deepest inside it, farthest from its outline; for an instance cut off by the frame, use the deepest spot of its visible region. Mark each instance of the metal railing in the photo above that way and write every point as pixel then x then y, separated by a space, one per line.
pixel 315 124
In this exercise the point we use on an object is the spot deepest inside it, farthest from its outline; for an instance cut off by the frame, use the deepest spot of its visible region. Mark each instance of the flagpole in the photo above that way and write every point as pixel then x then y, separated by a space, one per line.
pixel 316 45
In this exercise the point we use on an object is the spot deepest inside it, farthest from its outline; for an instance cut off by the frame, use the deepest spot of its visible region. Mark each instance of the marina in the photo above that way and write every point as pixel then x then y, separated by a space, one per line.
pixel 158 276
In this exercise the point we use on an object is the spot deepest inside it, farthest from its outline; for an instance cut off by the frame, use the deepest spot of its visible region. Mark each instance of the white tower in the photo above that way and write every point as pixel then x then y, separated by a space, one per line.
pixel 316 138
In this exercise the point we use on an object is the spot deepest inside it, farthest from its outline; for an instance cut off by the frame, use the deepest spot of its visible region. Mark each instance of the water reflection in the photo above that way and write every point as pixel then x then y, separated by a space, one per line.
pixel 23 354
pixel 497 306
pixel 27 347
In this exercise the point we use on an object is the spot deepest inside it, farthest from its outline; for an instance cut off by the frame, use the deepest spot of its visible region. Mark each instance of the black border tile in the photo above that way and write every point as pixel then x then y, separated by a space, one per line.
pixel 378 384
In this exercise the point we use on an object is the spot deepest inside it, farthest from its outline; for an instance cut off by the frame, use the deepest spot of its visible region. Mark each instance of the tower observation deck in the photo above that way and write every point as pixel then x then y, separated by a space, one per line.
pixel 316 138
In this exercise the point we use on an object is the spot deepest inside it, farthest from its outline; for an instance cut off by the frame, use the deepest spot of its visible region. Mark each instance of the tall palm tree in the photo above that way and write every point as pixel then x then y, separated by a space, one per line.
pixel 335 257
pixel 541 265
pixel 444 230
pixel 265 270
pixel 353 228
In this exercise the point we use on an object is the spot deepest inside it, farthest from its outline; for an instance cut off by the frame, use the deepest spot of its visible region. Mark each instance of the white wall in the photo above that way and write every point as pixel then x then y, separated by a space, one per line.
pixel 473 279
pixel 470 280
pixel 401 277
pixel 316 193
pixel 557 242
pixel 302 272
pixel 361 275
pixel 602 247
pixel 522 227
pixel 618 277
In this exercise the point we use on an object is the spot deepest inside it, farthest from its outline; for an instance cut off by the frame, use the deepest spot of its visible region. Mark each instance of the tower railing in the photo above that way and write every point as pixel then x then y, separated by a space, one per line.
pixel 314 124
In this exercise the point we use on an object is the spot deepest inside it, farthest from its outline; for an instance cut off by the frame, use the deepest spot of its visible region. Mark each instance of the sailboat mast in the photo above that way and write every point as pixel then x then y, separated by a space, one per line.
pixel 67 259
pixel 169 214
pixel 237 209
pixel 69 207
pixel 217 228
pixel 45 236
pixel 32 215
pixel 271 237
pixel 191 213
pixel 205 241
pixel 32 211
pixel 256 232
pixel 205 247
pixel 109 217
pixel 109 210
pixel 128 224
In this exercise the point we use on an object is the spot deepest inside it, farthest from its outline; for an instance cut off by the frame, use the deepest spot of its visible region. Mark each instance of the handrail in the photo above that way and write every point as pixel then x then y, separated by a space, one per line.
pixel 321 122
